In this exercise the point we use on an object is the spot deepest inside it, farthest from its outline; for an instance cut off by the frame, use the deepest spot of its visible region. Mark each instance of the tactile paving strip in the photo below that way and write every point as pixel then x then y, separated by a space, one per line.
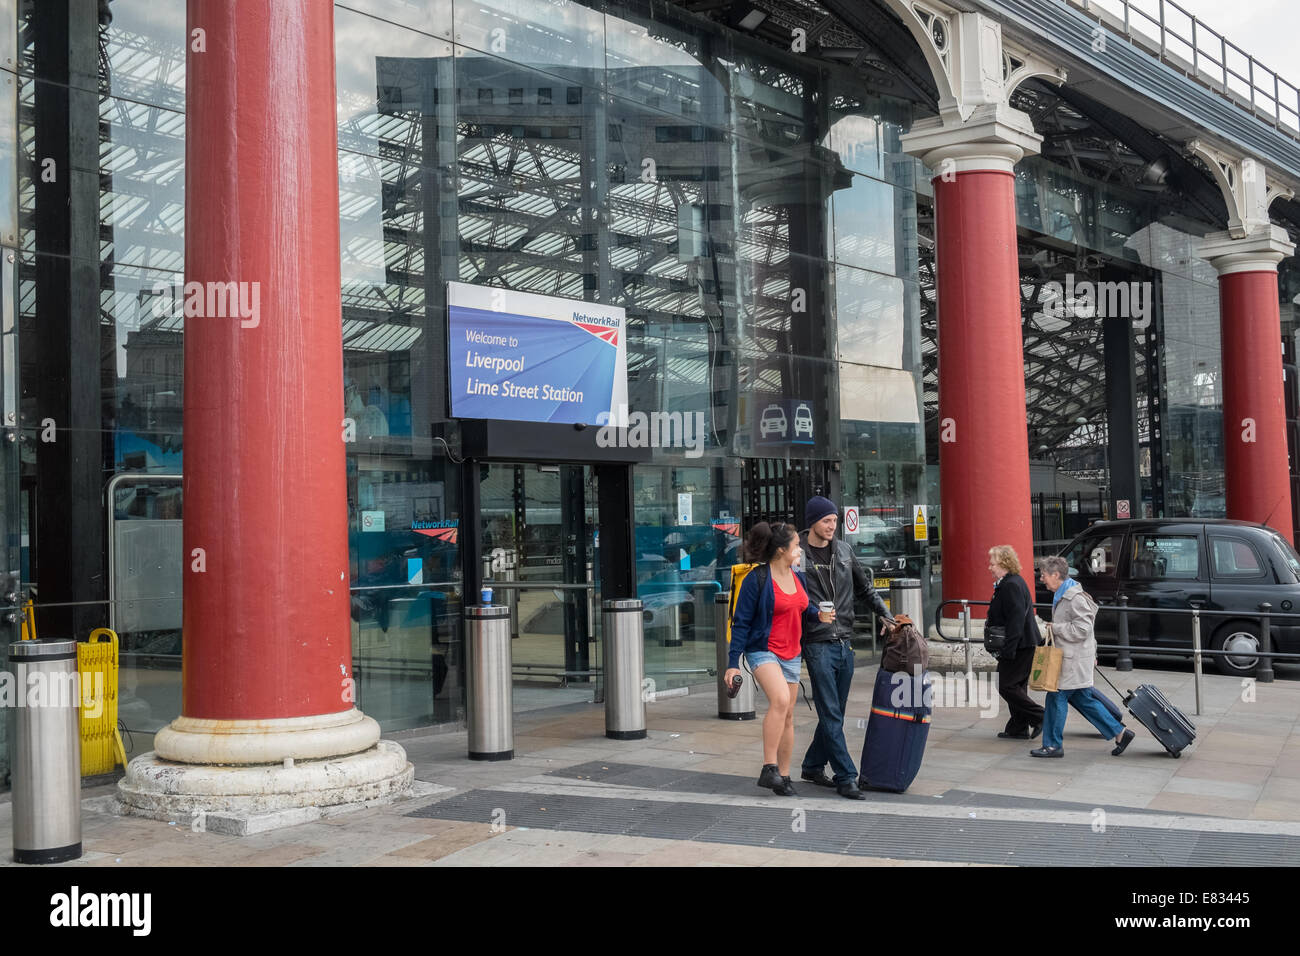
pixel 677 780
pixel 893 836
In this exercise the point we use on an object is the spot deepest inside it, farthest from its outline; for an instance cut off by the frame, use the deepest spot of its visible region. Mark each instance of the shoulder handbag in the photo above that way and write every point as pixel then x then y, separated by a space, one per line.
pixel 906 649
pixel 995 638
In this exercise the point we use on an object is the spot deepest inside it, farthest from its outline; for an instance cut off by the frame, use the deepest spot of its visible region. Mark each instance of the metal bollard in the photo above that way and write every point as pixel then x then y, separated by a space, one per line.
pixel 46 740
pixel 1196 656
pixel 489 693
pixel 1264 672
pixel 623 630
pixel 1124 659
pixel 905 598
pixel 965 634
pixel 740 707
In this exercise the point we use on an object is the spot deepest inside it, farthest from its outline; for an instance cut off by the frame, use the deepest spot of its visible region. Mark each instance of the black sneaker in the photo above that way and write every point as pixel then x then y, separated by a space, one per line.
pixel 1022 735
pixel 850 791
pixel 1124 741
pixel 786 789
pixel 770 778
pixel 1047 752
pixel 819 778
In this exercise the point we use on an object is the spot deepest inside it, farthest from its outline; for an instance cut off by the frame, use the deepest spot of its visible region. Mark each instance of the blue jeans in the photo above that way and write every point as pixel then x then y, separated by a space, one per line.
pixel 830 666
pixel 1058 702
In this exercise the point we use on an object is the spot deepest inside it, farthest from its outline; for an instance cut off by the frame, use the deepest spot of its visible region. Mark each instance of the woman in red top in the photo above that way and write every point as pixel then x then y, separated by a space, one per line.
pixel 767 628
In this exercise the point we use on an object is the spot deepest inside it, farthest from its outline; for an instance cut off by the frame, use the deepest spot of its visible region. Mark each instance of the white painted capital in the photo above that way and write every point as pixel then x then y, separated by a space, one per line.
pixel 993 139
pixel 1258 253
pixel 1247 187
pixel 973 65
pixel 195 740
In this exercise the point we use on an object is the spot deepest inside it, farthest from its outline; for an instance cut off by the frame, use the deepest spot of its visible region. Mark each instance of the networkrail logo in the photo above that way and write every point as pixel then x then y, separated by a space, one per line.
pixel 76 909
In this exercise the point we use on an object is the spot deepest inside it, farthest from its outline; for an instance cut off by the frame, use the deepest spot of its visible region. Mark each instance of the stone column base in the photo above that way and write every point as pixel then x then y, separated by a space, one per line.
pixel 194 740
pixel 177 792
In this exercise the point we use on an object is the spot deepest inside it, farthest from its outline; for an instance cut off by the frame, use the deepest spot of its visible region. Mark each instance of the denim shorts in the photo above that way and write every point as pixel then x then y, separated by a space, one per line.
pixel 789 668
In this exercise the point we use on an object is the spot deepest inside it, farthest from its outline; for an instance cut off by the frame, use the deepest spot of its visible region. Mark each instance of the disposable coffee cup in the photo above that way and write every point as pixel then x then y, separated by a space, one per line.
pixel 826 606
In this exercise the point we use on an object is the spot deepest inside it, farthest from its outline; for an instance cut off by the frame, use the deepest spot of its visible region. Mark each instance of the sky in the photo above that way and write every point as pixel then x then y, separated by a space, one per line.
pixel 1266 29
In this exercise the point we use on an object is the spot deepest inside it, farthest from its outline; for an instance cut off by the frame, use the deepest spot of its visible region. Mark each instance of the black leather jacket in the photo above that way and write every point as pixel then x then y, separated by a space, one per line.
pixel 846 579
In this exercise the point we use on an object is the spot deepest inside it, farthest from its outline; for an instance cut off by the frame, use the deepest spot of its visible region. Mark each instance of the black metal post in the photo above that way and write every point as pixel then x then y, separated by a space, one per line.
pixel 1264 672
pixel 573 513
pixel 68 344
pixel 470 533
pixel 617 535
pixel 1123 660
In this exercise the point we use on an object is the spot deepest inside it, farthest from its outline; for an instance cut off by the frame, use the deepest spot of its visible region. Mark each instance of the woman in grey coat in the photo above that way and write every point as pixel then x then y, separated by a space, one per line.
pixel 1073 614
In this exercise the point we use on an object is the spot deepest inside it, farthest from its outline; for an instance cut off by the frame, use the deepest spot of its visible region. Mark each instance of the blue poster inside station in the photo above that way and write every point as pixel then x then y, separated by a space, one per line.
pixel 533 358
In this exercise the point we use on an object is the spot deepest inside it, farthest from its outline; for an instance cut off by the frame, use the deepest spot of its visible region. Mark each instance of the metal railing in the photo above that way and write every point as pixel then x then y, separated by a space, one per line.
pixel 1124 649
pixel 1183 41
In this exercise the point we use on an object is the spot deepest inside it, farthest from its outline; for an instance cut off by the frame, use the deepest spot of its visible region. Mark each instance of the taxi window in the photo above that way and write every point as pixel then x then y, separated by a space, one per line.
pixel 1232 557
pixel 1160 556
pixel 1288 553
pixel 1095 557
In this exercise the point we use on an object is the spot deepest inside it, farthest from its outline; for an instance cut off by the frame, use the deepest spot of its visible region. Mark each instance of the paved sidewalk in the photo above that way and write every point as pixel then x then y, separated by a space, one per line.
pixel 686 796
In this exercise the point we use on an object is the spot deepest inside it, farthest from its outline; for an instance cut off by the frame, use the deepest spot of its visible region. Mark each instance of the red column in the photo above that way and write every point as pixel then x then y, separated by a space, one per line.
pixel 1254 409
pixel 983 438
pixel 266 624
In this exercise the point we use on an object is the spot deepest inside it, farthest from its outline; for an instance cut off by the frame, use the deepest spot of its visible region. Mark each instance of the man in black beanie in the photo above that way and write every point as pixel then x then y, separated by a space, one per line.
pixel 832 574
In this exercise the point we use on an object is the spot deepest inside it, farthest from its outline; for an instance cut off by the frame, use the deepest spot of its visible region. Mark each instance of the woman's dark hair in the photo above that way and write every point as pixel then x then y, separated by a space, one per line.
pixel 765 540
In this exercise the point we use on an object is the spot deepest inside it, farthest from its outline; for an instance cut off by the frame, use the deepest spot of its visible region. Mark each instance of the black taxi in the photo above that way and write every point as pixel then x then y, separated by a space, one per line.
pixel 1182 563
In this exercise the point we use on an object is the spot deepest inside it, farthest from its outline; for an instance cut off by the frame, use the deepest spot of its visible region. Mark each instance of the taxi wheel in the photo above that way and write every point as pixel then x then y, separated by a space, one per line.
pixel 1242 639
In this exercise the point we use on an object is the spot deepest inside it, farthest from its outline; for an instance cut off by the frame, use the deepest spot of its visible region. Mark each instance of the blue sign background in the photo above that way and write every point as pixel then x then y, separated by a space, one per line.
pixel 556 355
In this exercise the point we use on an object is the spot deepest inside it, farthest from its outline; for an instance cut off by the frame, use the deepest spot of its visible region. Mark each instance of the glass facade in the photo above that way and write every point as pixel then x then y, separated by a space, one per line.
pixel 751 210
pixel 739 203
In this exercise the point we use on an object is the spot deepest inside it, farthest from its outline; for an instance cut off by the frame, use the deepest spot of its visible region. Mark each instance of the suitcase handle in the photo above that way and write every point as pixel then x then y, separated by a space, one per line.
pixel 1155 719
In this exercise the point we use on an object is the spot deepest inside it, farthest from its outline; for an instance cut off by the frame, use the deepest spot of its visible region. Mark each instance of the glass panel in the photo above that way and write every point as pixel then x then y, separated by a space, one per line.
pixel 864 135
pixel 529 181
pixel 9 159
pixel 769 102
pixel 540 554
pixel 145 588
pixel 144 44
pixel 654 58
pixel 14 570
pixel 142 204
pixel 866 222
pixel 687 539
pixel 555 36
pixel 406 635
pixel 428 16
pixel 389 80
pixel 871 318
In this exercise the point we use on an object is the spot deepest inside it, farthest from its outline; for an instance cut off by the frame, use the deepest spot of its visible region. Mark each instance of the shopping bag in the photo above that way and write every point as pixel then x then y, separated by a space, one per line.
pixel 1046 670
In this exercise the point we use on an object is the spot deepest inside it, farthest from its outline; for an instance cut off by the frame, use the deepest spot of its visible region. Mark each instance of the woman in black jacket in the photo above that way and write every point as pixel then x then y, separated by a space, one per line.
pixel 1012 608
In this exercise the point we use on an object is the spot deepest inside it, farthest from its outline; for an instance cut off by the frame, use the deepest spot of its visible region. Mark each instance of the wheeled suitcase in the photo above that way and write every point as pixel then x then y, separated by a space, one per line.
pixel 1167 723
pixel 896 731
